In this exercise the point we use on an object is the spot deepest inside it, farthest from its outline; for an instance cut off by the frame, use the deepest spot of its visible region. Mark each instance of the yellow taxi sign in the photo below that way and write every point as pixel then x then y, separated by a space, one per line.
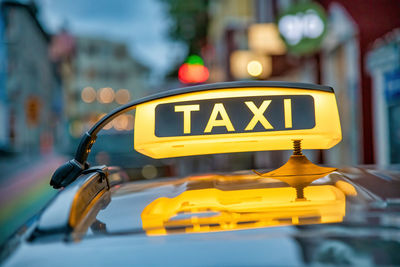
pixel 241 117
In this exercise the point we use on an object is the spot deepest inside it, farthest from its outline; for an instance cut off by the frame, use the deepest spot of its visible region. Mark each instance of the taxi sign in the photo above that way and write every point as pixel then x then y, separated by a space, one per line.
pixel 223 118
pixel 239 117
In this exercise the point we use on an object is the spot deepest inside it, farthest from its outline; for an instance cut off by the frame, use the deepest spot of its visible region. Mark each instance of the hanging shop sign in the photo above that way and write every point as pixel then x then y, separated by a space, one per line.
pixel 303 27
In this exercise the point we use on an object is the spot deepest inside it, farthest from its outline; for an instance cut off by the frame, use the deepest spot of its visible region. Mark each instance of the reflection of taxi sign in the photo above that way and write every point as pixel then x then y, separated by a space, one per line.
pixel 206 210
pixel 252 117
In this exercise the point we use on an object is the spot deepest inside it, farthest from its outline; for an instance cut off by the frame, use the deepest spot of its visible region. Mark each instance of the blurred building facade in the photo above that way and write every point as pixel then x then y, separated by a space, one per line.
pixel 383 64
pixel 358 83
pixel 31 105
pixel 4 132
pixel 339 61
pixel 98 76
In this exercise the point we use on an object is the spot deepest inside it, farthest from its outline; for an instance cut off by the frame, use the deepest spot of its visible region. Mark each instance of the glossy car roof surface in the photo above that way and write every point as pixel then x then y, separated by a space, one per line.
pixel 368 233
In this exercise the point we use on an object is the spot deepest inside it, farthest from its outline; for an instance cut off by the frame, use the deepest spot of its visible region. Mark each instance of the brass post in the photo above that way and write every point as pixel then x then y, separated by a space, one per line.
pixel 297 152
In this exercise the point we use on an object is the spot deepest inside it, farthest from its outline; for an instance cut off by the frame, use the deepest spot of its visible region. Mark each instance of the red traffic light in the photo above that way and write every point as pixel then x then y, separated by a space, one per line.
pixel 193 73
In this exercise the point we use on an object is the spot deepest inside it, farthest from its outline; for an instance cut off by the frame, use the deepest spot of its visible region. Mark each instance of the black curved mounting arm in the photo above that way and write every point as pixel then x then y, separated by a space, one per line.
pixel 70 170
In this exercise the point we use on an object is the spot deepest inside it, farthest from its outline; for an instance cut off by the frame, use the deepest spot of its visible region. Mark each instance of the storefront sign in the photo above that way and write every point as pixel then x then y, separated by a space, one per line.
pixel 303 27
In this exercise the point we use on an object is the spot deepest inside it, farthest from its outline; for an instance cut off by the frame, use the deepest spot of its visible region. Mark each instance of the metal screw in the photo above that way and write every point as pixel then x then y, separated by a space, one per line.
pixel 300 192
pixel 297 147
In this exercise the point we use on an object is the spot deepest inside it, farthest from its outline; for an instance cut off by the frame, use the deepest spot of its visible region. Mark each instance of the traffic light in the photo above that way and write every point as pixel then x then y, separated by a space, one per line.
pixel 193 70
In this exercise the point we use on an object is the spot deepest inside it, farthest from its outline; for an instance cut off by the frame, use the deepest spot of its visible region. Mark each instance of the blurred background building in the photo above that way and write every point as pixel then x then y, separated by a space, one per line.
pixel 55 86
pixel 3 96
pixel 383 64
pixel 98 75
pixel 31 103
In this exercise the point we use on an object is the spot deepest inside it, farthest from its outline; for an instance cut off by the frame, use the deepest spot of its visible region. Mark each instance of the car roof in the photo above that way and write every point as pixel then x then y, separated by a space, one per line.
pixel 115 227
pixel 127 201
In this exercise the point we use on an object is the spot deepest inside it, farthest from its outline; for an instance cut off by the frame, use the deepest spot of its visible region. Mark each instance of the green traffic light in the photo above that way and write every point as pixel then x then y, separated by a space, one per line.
pixel 195 60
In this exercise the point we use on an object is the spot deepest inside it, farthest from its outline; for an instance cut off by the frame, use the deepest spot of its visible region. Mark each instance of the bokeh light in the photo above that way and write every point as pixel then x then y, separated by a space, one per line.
pixel 105 95
pixel 124 122
pixel 149 171
pixel 254 68
pixel 245 64
pixel 195 60
pixel 193 73
pixel 121 122
pixel 122 96
pixel 193 70
pixel 264 39
pixel 88 94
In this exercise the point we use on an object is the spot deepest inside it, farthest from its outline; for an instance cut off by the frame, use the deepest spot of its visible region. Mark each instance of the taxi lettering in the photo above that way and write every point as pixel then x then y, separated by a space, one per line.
pixel 235 115
pixel 219 110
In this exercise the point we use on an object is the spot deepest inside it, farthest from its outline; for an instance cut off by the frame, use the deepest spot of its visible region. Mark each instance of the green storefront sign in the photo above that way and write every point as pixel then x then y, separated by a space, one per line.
pixel 302 27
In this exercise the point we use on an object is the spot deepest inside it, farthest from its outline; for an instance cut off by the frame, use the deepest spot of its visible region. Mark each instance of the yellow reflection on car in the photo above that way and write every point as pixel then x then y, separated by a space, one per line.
pixel 211 209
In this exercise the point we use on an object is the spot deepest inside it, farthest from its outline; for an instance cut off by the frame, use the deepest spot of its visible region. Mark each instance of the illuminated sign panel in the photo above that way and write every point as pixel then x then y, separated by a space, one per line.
pixel 235 115
pixel 236 120
pixel 302 27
